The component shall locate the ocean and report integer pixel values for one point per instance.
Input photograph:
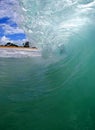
(57, 90)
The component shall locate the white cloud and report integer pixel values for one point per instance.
(4, 40)
(8, 8)
(20, 42)
(11, 30)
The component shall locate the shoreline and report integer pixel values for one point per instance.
(19, 47)
(12, 51)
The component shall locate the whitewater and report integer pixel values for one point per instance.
(52, 24)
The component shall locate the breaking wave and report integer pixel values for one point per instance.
(54, 24)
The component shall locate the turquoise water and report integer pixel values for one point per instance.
(55, 91)
(52, 93)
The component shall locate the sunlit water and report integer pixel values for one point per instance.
(55, 91)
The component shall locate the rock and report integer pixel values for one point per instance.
(34, 47)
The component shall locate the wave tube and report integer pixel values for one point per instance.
(52, 23)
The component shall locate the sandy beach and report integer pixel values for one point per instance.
(19, 51)
(18, 48)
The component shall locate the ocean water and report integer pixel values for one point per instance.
(57, 90)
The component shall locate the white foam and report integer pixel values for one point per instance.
(54, 22)
(13, 52)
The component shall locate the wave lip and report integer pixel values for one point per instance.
(52, 23)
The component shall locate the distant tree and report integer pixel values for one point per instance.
(26, 44)
(11, 44)
(8, 44)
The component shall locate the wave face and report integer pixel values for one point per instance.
(53, 23)
(55, 93)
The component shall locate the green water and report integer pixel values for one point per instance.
(49, 94)
(55, 91)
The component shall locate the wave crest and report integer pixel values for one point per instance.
(52, 23)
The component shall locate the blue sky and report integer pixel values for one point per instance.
(9, 30)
